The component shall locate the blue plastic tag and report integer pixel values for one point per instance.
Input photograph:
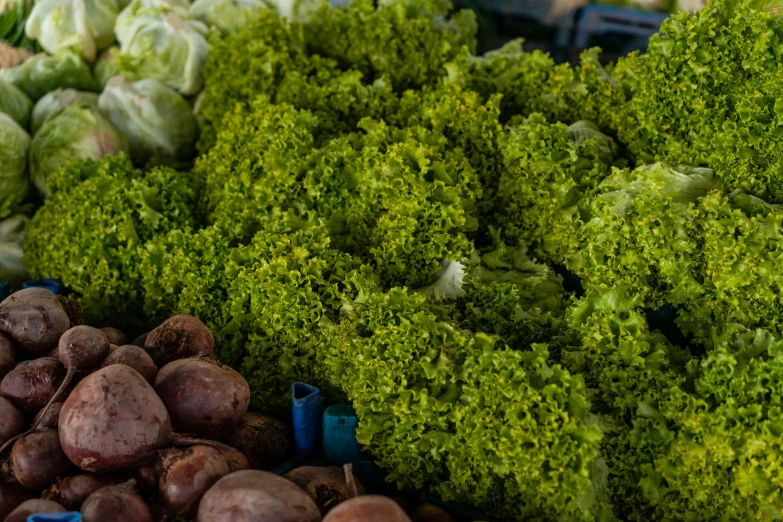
(56, 517)
(49, 284)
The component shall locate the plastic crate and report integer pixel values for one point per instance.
(633, 25)
(49, 284)
(5, 288)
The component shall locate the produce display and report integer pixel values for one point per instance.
(549, 292)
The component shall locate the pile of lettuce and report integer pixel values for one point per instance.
(551, 292)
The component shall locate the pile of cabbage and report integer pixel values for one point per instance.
(114, 77)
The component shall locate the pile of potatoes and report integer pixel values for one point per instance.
(153, 431)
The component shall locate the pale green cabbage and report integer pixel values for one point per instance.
(84, 26)
(227, 16)
(76, 132)
(107, 66)
(13, 232)
(170, 48)
(57, 100)
(137, 8)
(15, 103)
(155, 119)
(43, 73)
(14, 183)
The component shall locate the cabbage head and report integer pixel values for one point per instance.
(76, 132)
(15, 103)
(13, 232)
(107, 66)
(14, 183)
(43, 73)
(227, 16)
(138, 8)
(156, 120)
(54, 101)
(170, 48)
(84, 26)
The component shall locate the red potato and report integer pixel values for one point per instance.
(48, 418)
(365, 508)
(266, 441)
(32, 507)
(11, 496)
(256, 496)
(326, 485)
(7, 355)
(203, 397)
(11, 420)
(37, 460)
(34, 318)
(113, 420)
(134, 357)
(179, 337)
(187, 475)
(119, 503)
(71, 492)
(33, 383)
(116, 337)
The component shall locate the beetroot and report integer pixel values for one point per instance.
(203, 397)
(116, 337)
(367, 507)
(33, 383)
(326, 485)
(187, 475)
(73, 309)
(113, 420)
(32, 507)
(37, 460)
(431, 513)
(11, 420)
(11, 496)
(34, 319)
(48, 417)
(265, 440)
(134, 357)
(177, 338)
(7, 355)
(71, 492)
(140, 340)
(119, 503)
(256, 496)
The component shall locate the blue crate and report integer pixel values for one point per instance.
(634, 25)
(50, 284)
(5, 288)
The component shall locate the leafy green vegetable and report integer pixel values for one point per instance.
(13, 231)
(83, 26)
(75, 132)
(13, 16)
(15, 103)
(57, 100)
(42, 73)
(107, 67)
(138, 8)
(158, 123)
(14, 183)
(227, 16)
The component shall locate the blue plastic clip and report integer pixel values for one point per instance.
(340, 444)
(306, 404)
(56, 517)
(49, 284)
(5, 288)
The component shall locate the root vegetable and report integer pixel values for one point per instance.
(73, 309)
(367, 507)
(326, 485)
(11, 420)
(48, 417)
(11, 496)
(431, 513)
(37, 460)
(34, 318)
(140, 340)
(113, 420)
(134, 357)
(179, 337)
(203, 397)
(116, 337)
(33, 383)
(71, 492)
(7, 355)
(265, 440)
(32, 507)
(187, 475)
(256, 496)
(119, 503)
